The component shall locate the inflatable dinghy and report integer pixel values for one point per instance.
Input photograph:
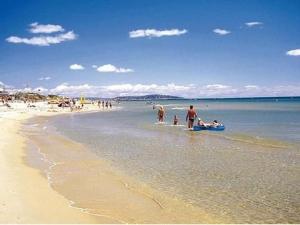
(214, 128)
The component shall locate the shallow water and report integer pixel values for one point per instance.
(248, 173)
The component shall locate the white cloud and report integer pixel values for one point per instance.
(76, 67)
(74, 90)
(156, 33)
(45, 78)
(94, 66)
(45, 28)
(221, 31)
(251, 87)
(108, 68)
(216, 90)
(295, 52)
(43, 40)
(252, 24)
(188, 91)
(119, 89)
(4, 86)
(217, 86)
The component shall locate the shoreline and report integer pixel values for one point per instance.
(105, 192)
(38, 162)
(25, 188)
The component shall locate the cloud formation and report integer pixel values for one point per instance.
(295, 52)
(156, 33)
(109, 68)
(36, 28)
(76, 67)
(221, 31)
(4, 86)
(188, 91)
(45, 78)
(252, 24)
(44, 40)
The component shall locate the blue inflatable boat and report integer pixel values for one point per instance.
(214, 128)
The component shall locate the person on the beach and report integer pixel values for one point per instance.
(103, 104)
(110, 105)
(175, 121)
(215, 123)
(161, 114)
(106, 104)
(190, 116)
(99, 103)
(201, 122)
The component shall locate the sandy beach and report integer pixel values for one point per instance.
(150, 112)
(26, 196)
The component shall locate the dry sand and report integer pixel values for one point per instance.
(25, 195)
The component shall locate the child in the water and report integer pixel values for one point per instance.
(175, 121)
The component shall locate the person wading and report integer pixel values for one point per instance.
(191, 116)
(161, 114)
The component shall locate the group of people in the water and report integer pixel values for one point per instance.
(191, 116)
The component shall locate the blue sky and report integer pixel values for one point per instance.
(187, 48)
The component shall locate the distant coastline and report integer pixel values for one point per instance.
(169, 97)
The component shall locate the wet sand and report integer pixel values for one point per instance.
(90, 183)
(25, 195)
(47, 178)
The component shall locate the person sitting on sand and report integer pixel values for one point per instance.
(190, 116)
(175, 121)
(161, 114)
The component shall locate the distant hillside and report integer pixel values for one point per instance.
(146, 97)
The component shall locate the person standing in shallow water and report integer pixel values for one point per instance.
(161, 114)
(191, 116)
(175, 121)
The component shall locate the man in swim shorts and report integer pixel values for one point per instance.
(191, 116)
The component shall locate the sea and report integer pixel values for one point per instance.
(250, 172)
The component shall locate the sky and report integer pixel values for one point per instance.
(189, 48)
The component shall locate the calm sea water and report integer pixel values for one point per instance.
(249, 173)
